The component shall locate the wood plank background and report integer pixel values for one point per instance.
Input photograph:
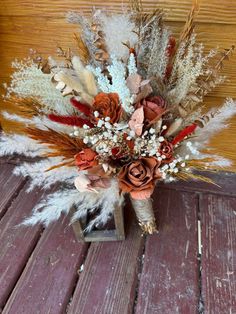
(41, 25)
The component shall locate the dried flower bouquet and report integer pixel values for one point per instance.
(118, 116)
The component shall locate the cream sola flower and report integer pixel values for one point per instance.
(116, 118)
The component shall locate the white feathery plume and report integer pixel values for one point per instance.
(43, 123)
(51, 208)
(219, 161)
(40, 177)
(20, 144)
(117, 29)
(191, 150)
(88, 35)
(85, 76)
(17, 118)
(106, 201)
(216, 123)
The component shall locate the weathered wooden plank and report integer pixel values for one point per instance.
(107, 283)
(17, 242)
(169, 279)
(218, 217)
(219, 11)
(10, 185)
(49, 278)
(225, 184)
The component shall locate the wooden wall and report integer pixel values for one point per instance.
(41, 25)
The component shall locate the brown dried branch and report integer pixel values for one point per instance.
(224, 56)
(61, 144)
(65, 54)
(208, 83)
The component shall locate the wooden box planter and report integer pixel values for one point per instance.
(117, 234)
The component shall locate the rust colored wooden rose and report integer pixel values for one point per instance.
(86, 159)
(153, 108)
(138, 177)
(108, 105)
(166, 149)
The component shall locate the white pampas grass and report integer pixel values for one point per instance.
(51, 208)
(220, 162)
(20, 144)
(216, 123)
(105, 201)
(88, 34)
(117, 29)
(40, 177)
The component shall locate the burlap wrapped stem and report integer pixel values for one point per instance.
(145, 214)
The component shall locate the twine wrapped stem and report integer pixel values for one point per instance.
(145, 215)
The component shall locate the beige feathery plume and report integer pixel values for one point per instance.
(85, 76)
(67, 84)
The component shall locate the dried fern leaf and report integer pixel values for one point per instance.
(82, 48)
(69, 163)
(9, 126)
(61, 144)
(25, 107)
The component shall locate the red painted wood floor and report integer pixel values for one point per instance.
(48, 271)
